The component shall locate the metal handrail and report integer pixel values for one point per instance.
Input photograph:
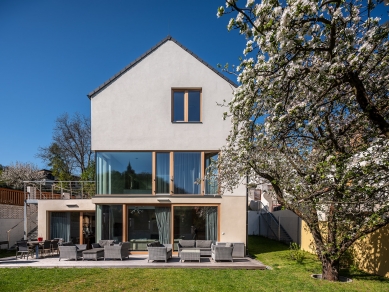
(275, 221)
(59, 189)
(263, 207)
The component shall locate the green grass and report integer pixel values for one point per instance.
(286, 275)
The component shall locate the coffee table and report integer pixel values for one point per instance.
(93, 254)
(190, 255)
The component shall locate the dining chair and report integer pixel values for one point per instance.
(23, 249)
(54, 246)
(46, 247)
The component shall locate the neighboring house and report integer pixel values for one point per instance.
(156, 126)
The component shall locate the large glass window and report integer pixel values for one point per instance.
(110, 222)
(147, 224)
(211, 184)
(195, 223)
(187, 167)
(162, 175)
(65, 225)
(124, 172)
(186, 106)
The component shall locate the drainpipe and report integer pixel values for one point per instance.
(25, 219)
(247, 214)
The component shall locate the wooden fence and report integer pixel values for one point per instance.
(16, 197)
(11, 197)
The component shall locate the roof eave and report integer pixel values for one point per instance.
(128, 67)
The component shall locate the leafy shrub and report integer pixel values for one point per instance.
(296, 253)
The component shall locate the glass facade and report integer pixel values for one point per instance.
(195, 223)
(147, 224)
(132, 173)
(124, 172)
(110, 222)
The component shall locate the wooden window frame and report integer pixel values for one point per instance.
(186, 104)
(171, 174)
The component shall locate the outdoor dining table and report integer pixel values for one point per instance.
(35, 244)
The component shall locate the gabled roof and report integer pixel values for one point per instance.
(168, 38)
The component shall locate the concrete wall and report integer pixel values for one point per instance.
(253, 221)
(291, 223)
(134, 112)
(11, 217)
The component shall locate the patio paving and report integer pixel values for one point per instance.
(135, 261)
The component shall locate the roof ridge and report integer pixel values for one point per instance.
(139, 59)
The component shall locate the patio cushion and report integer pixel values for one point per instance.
(105, 242)
(154, 244)
(187, 243)
(203, 243)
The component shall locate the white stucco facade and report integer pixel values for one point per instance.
(134, 111)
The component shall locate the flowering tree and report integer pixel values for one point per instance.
(15, 174)
(311, 115)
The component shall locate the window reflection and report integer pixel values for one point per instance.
(195, 223)
(124, 172)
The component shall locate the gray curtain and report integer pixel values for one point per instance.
(186, 172)
(211, 223)
(163, 171)
(162, 215)
(60, 225)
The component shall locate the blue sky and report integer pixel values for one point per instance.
(53, 53)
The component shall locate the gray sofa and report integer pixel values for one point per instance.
(203, 245)
(71, 251)
(159, 252)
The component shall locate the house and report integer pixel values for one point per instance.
(156, 126)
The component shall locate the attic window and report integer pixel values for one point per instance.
(186, 105)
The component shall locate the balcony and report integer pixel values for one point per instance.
(48, 190)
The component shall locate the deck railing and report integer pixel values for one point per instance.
(42, 190)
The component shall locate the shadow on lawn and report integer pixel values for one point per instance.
(260, 244)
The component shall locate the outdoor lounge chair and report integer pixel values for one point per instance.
(71, 251)
(159, 252)
(222, 253)
(118, 251)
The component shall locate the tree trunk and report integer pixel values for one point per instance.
(330, 269)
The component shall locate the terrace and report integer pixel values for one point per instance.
(47, 190)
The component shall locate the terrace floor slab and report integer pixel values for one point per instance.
(134, 261)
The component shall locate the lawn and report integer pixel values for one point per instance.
(286, 275)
